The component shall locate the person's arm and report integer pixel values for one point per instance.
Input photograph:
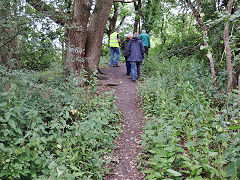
(118, 37)
(140, 36)
(142, 48)
(149, 42)
(123, 45)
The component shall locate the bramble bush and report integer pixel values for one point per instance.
(193, 129)
(53, 128)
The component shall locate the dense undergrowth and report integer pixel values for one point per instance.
(193, 128)
(52, 128)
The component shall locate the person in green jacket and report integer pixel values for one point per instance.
(146, 41)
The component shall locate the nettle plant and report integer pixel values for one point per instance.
(188, 135)
(53, 128)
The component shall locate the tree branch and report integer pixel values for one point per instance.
(113, 20)
(121, 22)
(205, 37)
(197, 15)
(122, 1)
(58, 17)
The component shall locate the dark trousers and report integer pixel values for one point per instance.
(128, 65)
(146, 50)
(133, 69)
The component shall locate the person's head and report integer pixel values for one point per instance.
(129, 36)
(117, 30)
(143, 31)
(135, 35)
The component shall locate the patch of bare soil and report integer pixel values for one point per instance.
(124, 164)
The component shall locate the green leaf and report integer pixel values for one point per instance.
(148, 171)
(3, 104)
(221, 137)
(212, 154)
(59, 172)
(199, 171)
(3, 120)
(12, 124)
(52, 165)
(19, 141)
(2, 146)
(67, 115)
(4, 94)
(231, 169)
(74, 168)
(77, 174)
(18, 130)
(173, 172)
(234, 127)
(151, 176)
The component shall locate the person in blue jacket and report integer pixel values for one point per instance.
(136, 51)
(146, 41)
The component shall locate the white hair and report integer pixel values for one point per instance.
(135, 35)
(130, 35)
(143, 31)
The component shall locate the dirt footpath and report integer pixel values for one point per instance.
(124, 166)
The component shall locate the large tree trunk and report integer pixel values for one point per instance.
(205, 37)
(5, 12)
(77, 35)
(8, 33)
(85, 33)
(228, 52)
(95, 33)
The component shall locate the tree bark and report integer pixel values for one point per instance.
(137, 7)
(162, 29)
(84, 32)
(8, 33)
(5, 15)
(239, 90)
(228, 52)
(77, 35)
(94, 40)
(205, 37)
(135, 26)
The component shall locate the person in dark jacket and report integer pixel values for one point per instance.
(136, 51)
(125, 53)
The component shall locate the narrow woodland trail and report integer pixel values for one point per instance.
(128, 144)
